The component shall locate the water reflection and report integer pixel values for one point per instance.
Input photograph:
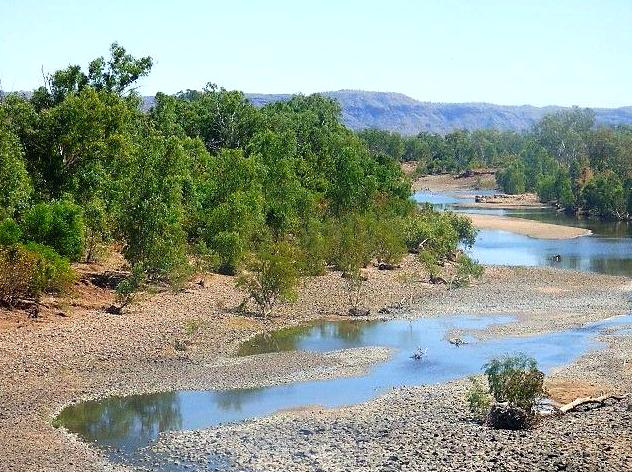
(315, 337)
(588, 253)
(133, 422)
(608, 250)
(124, 422)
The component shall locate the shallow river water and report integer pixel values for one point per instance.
(608, 250)
(125, 425)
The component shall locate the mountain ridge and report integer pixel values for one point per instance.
(395, 111)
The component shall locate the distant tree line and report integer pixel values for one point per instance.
(203, 181)
(564, 158)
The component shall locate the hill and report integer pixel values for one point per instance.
(398, 112)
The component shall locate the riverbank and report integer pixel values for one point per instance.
(468, 187)
(450, 183)
(183, 341)
(534, 229)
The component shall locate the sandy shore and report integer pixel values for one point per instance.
(467, 187)
(43, 366)
(534, 229)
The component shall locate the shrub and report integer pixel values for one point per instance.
(351, 243)
(389, 244)
(17, 275)
(478, 399)
(28, 270)
(271, 275)
(230, 249)
(313, 244)
(429, 262)
(58, 225)
(467, 268)
(514, 387)
(515, 380)
(10, 232)
(54, 273)
(429, 230)
(97, 227)
(128, 287)
(16, 188)
(465, 230)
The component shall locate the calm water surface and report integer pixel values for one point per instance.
(125, 425)
(608, 250)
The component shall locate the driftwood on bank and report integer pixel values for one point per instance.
(598, 401)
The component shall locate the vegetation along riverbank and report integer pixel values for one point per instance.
(139, 250)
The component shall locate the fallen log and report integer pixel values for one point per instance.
(600, 401)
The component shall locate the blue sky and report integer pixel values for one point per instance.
(509, 52)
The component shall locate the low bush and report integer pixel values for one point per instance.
(389, 244)
(478, 399)
(28, 270)
(350, 241)
(58, 225)
(271, 276)
(515, 380)
(515, 385)
(467, 269)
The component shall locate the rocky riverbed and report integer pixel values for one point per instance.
(185, 340)
(417, 429)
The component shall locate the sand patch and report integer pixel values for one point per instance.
(534, 229)
(565, 390)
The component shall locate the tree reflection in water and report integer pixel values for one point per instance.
(124, 423)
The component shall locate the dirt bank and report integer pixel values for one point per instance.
(534, 229)
(448, 182)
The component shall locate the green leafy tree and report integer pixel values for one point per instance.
(151, 210)
(15, 188)
(271, 276)
(58, 224)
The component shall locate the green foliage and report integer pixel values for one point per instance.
(604, 194)
(53, 272)
(115, 75)
(271, 276)
(28, 270)
(456, 151)
(512, 179)
(566, 160)
(97, 227)
(129, 286)
(15, 188)
(351, 243)
(314, 248)
(467, 269)
(516, 380)
(431, 231)
(478, 399)
(10, 232)
(389, 244)
(151, 219)
(58, 224)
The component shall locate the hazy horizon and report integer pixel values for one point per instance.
(536, 53)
